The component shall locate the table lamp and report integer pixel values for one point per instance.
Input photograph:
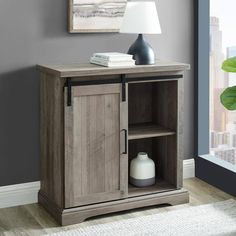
(141, 18)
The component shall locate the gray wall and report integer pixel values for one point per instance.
(34, 31)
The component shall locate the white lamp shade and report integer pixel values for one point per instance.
(141, 18)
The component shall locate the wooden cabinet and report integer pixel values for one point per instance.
(95, 162)
(94, 120)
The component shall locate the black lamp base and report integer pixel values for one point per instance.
(142, 52)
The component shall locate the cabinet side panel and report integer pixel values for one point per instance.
(165, 113)
(51, 137)
(180, 133)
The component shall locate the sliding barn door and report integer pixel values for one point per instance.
(95, 145)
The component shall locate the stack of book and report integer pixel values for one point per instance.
(112, 59)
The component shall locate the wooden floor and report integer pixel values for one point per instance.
(32, 220)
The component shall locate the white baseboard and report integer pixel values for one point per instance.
(188, 169)
(21, 194)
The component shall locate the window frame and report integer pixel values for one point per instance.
(206, 168)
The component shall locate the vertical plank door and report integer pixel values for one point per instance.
(96, 163)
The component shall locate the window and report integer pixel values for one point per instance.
(222, 46)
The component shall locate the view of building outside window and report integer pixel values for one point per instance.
(222, 46)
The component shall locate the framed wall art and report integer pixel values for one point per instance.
(95, 15)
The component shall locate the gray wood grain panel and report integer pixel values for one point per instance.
(165, 99)
(81, 70)
(124, 140)
(148, 130)
(180, 133)
(71, 216)
(93, 162)
(140, 103)
(51, 137)
(160, 186)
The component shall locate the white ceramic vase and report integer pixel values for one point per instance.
(142, 171)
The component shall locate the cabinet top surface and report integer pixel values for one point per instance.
(86, 69)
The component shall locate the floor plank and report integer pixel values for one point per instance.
(33, 220)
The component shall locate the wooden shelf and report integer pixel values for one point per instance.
(160, 186)
(148, 130)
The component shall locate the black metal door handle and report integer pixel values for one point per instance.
(126, 136)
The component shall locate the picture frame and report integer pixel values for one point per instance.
(95, 16)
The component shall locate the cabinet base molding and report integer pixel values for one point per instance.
(79, 214)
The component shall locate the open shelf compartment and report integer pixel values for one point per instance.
(152, 109)
(153, 118)
(162, 150)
